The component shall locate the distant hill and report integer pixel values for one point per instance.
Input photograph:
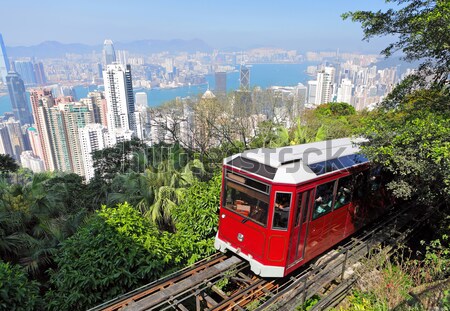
(50, 49)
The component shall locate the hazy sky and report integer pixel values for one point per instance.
(296, 24)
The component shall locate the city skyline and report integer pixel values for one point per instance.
(231, 24)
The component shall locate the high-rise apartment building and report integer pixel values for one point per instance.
(122, 57)
(4, 61)
(75, 117)
(39, 73)
(300, 96)
(109, 54)
(97, 104)
(324, 88)
(312, 91)
(31, 161)
(344, 93)
(92, 137)
(16, 90)
(119, 97)
(41, 101)
(35, 142)
(5, 142)
(221, 83)
(57, 123)
(142, 116)
(26, 71)
(15, 137)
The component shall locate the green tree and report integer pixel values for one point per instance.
(37, 217)
(7, 164)
(422, 30)
(117, 251)
(111, 161)
(156, 191)
(409, 132)
(334, 109)
(413, 142)
(16, 291)
(197, 216)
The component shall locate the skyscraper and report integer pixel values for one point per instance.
(4, 62)
(16, 90)
(109, 55)
(312, 90)
(26, 71)
(15, 137)
(31, 161)
(324, 88)
(39, 74)
(245, 78)
(93, 137)
(75, 116)
(5, 142)
(35, 142)
(142, 116)
(344, 93)
(221, 83)
(97, 104)
(119, 97)
(41, 101)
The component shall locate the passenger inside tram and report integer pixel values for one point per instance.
(247, 202)
(282, 209)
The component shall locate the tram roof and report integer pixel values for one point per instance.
(295, 164)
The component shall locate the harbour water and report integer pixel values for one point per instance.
(263, 75)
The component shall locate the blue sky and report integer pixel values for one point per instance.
(295, 24)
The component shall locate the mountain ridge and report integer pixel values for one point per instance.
(51, 49)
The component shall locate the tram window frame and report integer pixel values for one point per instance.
(303, 200)
(261, 196)
(277, 212)
(298, 210)
(349, 188)
(315, 213)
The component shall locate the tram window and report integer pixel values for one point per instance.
(344, 191)
(307, 200)
(375, 179)
(302, 203)
(299, 209)
(282, 208)
(332, 165)
(323, 200)
(250, 182)
(246, 202)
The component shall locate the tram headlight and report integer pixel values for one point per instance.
(240, 237)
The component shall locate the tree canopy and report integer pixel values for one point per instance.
(7, 164)
(409, 132)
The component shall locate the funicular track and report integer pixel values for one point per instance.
(201, 286)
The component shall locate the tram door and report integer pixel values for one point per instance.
(300, 227)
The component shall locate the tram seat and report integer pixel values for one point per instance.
(243, 209)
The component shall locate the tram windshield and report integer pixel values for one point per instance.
(247, 197)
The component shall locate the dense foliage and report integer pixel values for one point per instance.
(413, 142)
(7, 164)
(327, 121)
(197, 215)
(16, 291)
(409, 134)
(117, 251)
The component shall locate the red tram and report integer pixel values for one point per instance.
(282, 207)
